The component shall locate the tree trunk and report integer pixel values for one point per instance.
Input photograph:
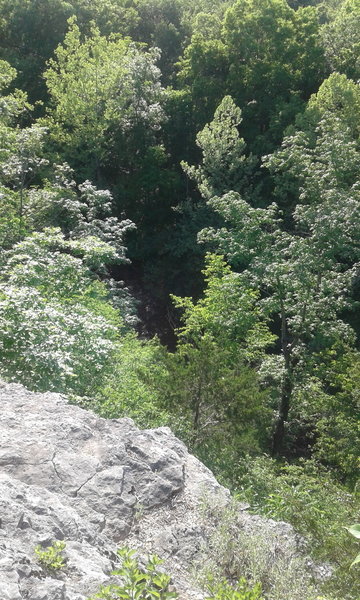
(197, 410)
(21, 207)
(286, 391)
(279, 432)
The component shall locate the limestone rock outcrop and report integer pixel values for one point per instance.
(66, 474)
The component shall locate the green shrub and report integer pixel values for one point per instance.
(241, 591)
(319, 508)
(268, 560)
(136, 582)
(130, 386)
(52, 558)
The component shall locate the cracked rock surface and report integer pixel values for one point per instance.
(66, 474)
(97, 484)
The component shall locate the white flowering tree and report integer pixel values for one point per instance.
(58, 321)
(81, 211)
(48, 345)
(57, 329)
(20, 157)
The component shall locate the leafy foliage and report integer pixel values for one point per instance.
(57, 330)
(341, 40)
(238, 119)
(319, 508)
(302, 274)
(146, 582)
(266, 51)
(52, 558)
(120, 91)
(224, 166)
(131, 385)
(210, 385)
(355, 531)
(224, 591)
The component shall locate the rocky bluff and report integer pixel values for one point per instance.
(66, 474)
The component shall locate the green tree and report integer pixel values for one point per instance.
(57, 329)
(274, 53)
(30, 30)
(105, 120)
(304, 274)
(21, 160)
(341, 40)
(203, 73)
(338, 96)
(20, 156)
(100, 88)
(212, 386)
(224, 166)
(111, 16)
(269, 58)
(308, 148)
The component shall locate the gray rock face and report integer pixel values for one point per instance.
(66, 474)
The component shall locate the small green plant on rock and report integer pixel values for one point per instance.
(241, 591)
(52, 557)
(136, 582)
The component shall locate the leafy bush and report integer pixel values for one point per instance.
(131, 384)
(306, 496)
(136, 582)
(52, 558)
(241, 591)
(57, 328)
(269, 559)
(355, 531)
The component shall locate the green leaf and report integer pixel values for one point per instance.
(355, 531)
(357, 560)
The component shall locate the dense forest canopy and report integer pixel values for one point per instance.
(180, 236)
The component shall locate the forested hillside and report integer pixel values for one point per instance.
(180, 238)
